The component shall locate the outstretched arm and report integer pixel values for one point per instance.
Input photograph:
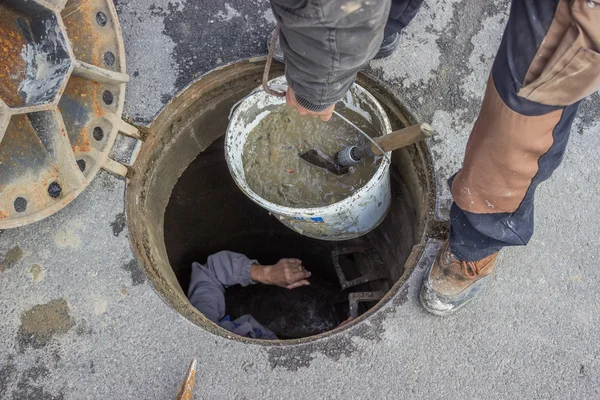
(208, 282)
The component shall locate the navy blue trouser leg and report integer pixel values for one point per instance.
(537, 80)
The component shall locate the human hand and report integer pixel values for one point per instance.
(324, 115)
(287, 273)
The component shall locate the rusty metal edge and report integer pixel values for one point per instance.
(115, 119)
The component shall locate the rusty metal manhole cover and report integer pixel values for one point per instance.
(62, 90)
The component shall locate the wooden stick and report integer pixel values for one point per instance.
(402, 138)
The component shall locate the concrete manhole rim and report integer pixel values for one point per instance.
(144, 244)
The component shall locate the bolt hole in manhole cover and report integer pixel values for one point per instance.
(62, 89)
(183, 205)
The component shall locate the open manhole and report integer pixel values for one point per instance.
(183, 206)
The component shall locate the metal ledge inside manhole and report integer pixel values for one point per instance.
(183, 206)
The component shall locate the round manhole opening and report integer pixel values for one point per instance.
(183, 206)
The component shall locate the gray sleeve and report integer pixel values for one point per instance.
(326, 42)
(208, 282)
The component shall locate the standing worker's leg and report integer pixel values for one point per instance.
(548, 60)
(401, 13)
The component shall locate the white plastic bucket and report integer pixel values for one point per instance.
(349, 218)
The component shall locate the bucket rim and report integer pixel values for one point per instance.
(240, 181)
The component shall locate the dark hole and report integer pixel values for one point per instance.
(364, 306)
(20, 204)
(101, 18)
(81, 165)
(207, 213)
(109, 58)
(348, 263)
(54, 190)
(107, 97)
(98, 133)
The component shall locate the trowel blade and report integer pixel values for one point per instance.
(320, 159)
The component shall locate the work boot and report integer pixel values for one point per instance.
(388, 46)
(450, 283)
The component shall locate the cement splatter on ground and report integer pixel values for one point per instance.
(11, 257)
(67, 238)
(100, 305)
(42, 322)
(37, 273)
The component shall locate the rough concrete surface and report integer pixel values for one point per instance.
(534, 334)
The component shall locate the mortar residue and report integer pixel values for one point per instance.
(275, 171)
(37, 273)
(11, 258)
(40, 323)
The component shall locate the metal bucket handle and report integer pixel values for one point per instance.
(265, 82)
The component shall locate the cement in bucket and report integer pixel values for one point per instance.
(347, 219)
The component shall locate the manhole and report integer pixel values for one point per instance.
(183, 206)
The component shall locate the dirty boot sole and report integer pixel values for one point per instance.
(442, 305)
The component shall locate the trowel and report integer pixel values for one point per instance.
(382, 144)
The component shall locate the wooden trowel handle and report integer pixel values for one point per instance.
(402, 137)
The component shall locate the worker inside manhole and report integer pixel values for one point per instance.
(250, 274)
